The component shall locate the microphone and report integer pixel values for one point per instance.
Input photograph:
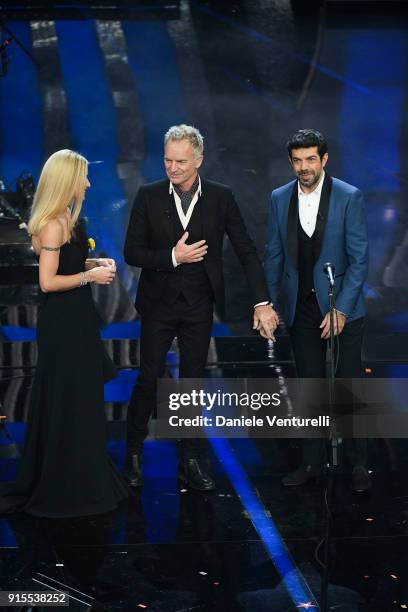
(328, 269)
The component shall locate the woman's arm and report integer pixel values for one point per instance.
(51, 239)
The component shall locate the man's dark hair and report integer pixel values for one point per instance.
(303, 139)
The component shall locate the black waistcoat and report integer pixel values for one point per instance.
(190, 280)
(304, 251)
(306, 261)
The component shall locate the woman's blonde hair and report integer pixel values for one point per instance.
(60, 185)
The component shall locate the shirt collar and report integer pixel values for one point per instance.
(171, 187)
(317, 191)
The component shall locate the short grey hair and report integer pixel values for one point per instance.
(186, 132)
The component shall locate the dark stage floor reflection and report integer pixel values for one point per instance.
(172, 549)
(251, 545)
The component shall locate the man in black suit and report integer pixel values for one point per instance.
(175, 235)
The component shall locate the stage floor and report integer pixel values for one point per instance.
(250, 545)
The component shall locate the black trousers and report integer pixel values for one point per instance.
(192, 324)
(310, 359)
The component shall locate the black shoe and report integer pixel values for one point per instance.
(194, 476)
(303, 474)
(361, 480)
(133, 473)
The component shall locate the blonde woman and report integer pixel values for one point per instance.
(65, 469)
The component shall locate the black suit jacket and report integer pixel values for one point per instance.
(150, 239)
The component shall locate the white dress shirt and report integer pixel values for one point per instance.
(309, 207)
(184, 218)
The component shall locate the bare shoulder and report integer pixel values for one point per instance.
(52, 234)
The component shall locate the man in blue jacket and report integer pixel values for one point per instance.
(313, 220)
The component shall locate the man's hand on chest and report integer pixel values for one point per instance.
(189, 253)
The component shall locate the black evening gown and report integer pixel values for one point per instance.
(65, 469)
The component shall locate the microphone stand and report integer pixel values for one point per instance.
(332, 457)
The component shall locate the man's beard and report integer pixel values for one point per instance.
(311, 180)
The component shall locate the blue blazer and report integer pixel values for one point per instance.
(341, 235)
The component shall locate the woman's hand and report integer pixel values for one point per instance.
(101, 275)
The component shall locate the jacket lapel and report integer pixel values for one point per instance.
(322, 215)
(168, 210)
(207, 211)
(292, 236)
